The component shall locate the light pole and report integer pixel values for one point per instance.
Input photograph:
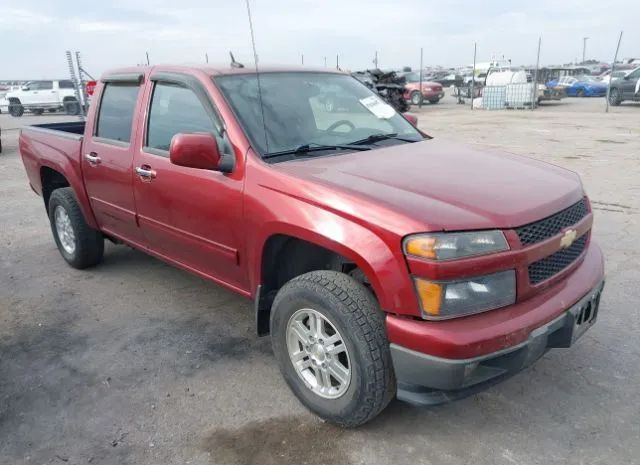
(584, 48)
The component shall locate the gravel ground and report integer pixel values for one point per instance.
(135, 362)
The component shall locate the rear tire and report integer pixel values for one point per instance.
(416, 97)
(433, 101)
(37, 111)
(79, 244)
(580, 93)
(350, 315)
(72, 107)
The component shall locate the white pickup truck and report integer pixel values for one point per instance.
(40, 96)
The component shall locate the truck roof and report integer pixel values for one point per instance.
(223, 69)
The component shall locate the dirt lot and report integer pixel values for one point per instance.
(135, 362)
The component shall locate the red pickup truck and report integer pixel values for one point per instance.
(382, 262)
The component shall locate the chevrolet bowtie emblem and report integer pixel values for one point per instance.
(567, 238)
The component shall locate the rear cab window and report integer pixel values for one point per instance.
(115, 116)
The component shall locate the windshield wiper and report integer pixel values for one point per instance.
(313, 147)
(373, 138)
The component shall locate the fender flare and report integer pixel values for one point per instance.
(76, 183)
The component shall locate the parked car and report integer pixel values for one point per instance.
(431, 91)
(383, 262)
(40, 96)
(581, 86)
(447, 79)
(627, 88)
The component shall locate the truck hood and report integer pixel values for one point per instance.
(442, 185)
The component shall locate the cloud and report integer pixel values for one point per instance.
(119, 32)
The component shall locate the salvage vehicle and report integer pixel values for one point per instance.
(382, 262)
(431, 91)
(626, 88)
(40, 96)
(387, 84)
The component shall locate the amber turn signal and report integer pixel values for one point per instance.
(430, 295)
(421, 246)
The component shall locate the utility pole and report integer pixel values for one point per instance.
(206, 57)
(420, 104)
(148, 59)
(613, 69)
(337, 61)
(473, 73)
(325, 62)
(584, 48)
(375, 60)
(302, 58)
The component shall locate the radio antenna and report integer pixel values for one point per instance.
(255, 60)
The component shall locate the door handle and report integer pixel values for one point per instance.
(145, 172)
(93, 158)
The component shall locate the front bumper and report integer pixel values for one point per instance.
(434, 356)
(428, 380)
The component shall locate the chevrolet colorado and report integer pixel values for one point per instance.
(382, 262)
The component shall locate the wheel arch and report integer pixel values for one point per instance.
(53, 176)
(292, 250)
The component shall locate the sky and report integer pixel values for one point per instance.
(34, 34)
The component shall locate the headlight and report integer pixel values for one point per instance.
(448, 246)
(449, 299)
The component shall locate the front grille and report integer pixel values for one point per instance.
(547, 267)
(552, 225)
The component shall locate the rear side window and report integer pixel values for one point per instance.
(65, 85)
(175, 109)
(116, 111)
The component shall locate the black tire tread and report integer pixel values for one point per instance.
(89, 242)
(365, 314)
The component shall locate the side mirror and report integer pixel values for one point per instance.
(195, 151)
(413, 119)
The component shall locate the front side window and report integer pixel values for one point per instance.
(40, 85)
(116, 111)
(175, 109)
(65, 85)
(302, 108)
(635, 74)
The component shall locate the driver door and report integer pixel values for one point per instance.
(628, 85)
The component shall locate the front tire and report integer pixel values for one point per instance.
(580, 93)
(16, 109)
(614, 97)
(79, 244)
(416, 97)
(433, 101)
(328, 336)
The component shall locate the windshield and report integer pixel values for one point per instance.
(303, 108)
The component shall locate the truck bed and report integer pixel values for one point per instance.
(53, 147)
(75, 129)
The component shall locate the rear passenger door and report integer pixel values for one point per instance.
(189, 216)
(107, 163)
